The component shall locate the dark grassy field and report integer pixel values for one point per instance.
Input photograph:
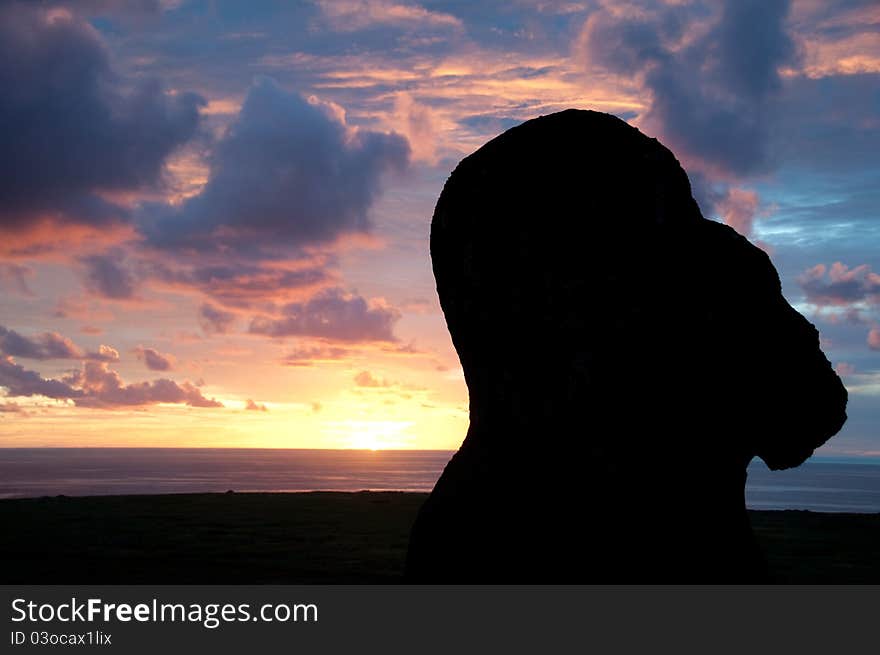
(320, 538)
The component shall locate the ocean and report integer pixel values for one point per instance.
(822, 485)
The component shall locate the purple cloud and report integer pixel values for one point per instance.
(289, 172)
(333, 315)
(108, 277)
(49, 345)
(153, 359)
(96, 385)
(215, 320)
(240, 284)
(22, 382)
(711, 95)
(72, 125)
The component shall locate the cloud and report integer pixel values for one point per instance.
(242, 284)
(14, 277)
(83, 308)
(840, 285)
(738, 208)
(403, 349)
(10, 408)
(711, 76)
(22, 382)
(255, 407)
(108, 277)
(843, 293)
(288, 173)
(845, 369)
(332, 314)
(874, 338)
(101, 387)
(419, 124)
(215, 320)
(72, 126)
(104, 354)
(154, 360)
(367, 379)
(463, 93)
(839, 38)
(353, 15)
(419, 305)
(49, 345)
(309, 355)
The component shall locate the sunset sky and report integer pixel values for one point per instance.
(214, 215)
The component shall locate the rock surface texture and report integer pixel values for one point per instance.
(625, 357)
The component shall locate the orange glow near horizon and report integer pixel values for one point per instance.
(345, 423)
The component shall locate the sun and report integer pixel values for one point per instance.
(366, 442)
(374, 435)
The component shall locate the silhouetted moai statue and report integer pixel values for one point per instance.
(625, 357)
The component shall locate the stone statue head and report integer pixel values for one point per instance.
(587, 296)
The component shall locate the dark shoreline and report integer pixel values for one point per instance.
(322, 538)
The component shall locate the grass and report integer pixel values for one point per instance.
(320, 537)
(820, 548)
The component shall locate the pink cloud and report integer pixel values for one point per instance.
(874, 338)
(840, 285)
(353, 15)
(419, 124)
(104, 354)
(738, 208)
(48, 237)
(310, 355)
(367, 379)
